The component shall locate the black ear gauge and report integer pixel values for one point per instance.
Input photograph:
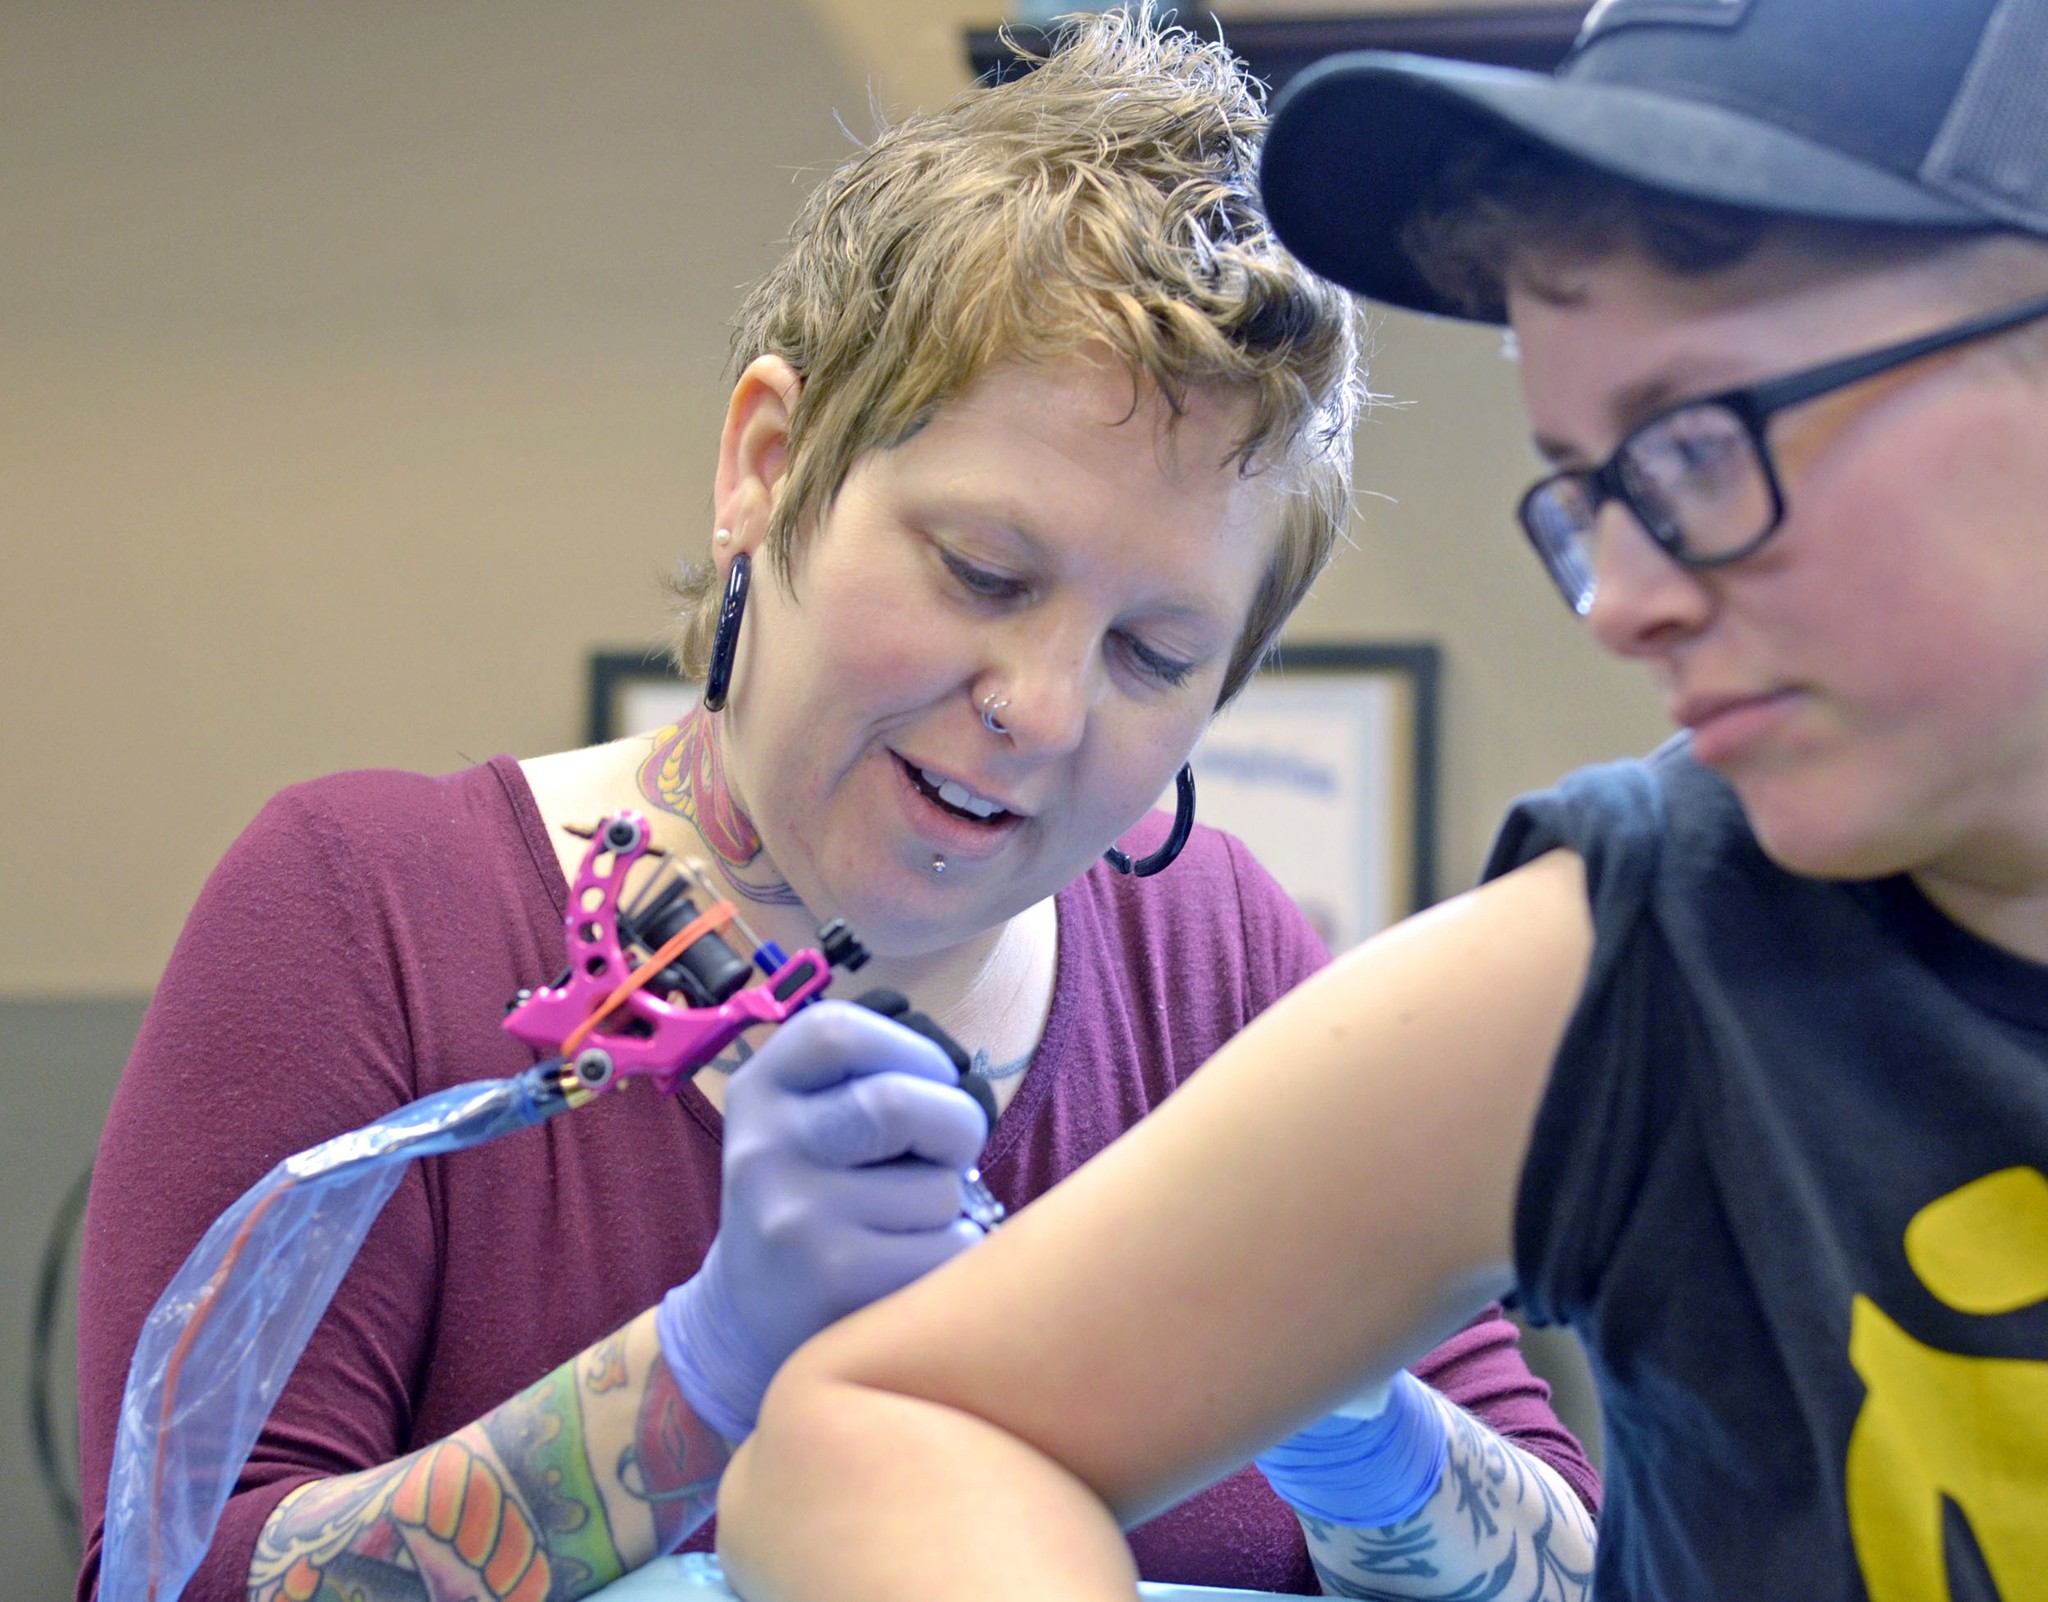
(725, 639)
(1176, 837)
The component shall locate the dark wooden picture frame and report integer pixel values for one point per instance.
(1535, 37)
(1356, 722)
(624, 685)
(1327, 768)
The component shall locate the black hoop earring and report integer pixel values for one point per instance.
(1176, 837)
(725, 641)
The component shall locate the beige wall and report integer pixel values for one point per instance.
(359, 368)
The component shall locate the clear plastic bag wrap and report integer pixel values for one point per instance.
(225, 1335)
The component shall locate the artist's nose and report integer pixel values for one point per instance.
(1048, 681)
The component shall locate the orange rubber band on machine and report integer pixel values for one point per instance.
(719, 917)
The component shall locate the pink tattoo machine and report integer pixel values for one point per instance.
(606, 1016)
(653, 991)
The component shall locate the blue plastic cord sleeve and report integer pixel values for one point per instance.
(298, 1229)
(1365, 1473)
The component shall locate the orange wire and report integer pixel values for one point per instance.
(174, 1367)
(690, 933)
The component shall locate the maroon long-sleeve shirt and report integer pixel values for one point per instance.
(355, 950)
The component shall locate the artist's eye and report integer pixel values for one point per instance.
(1155, 665)
(982, 582)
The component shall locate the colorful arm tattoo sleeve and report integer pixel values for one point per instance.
(578, 1479)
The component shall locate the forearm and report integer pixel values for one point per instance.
(576, 1480)
(1230, 1269)
(1500, 1521)
(902, 1497)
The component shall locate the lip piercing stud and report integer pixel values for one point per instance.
(938, 864)
(992, 707)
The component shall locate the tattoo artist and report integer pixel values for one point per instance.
(1037, 438)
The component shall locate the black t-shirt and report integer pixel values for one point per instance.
(1790, 1184)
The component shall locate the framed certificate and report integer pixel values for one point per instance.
(1326, 766)
(636, 692)
(1276, 40)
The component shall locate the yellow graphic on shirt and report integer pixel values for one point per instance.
(1938, 1425)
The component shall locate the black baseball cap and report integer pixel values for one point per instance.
(1907, 113)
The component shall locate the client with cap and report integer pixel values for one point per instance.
(1738, 1064)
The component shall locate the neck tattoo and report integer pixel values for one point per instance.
(684, 775)
(1001, 1070)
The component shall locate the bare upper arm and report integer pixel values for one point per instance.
(1325, 1200)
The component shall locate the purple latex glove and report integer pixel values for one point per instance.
(845, 1139)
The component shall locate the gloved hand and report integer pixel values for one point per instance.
(1373, 1462)
(845, 1139)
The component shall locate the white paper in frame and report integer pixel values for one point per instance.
(1325, 766)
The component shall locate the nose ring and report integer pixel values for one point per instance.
(993, 705)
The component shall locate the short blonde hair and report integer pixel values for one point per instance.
(1103, 198)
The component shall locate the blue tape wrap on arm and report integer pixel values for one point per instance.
(1364, 1472)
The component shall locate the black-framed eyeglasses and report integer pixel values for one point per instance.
(1699, 476)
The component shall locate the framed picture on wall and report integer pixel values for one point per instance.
(636, 692)
(1326, 766)
(1275, 45)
